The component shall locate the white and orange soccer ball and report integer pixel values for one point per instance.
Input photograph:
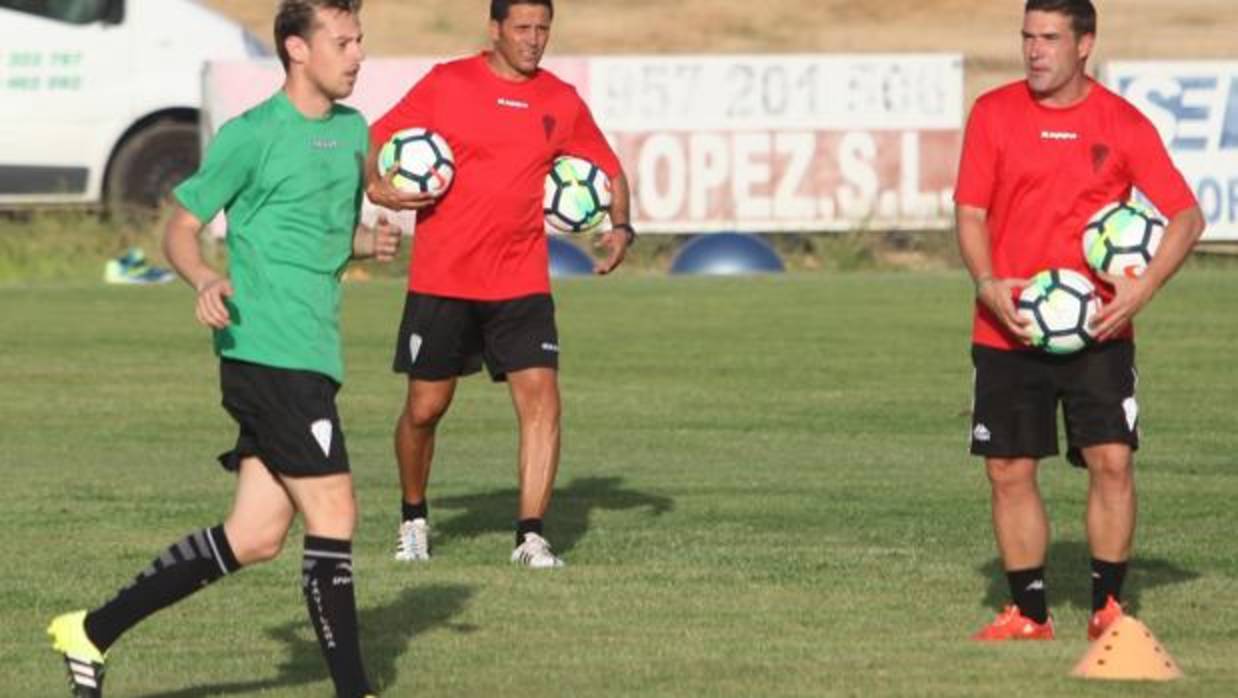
(577, 196)
(1061, 304)
(1121, 238)
(422, 160)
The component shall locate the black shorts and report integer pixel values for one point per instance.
(442, 338)
(287, 418)
(1017, 392)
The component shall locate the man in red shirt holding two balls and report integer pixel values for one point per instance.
(479, 285)
(1040, 156)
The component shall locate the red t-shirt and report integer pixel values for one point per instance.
(1041, 173)
(485, 238)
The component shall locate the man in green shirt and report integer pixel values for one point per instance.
(288, 173)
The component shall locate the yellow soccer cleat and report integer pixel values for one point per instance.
(83, 660)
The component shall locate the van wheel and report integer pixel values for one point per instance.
(151, 163)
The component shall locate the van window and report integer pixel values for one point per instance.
(71, 11)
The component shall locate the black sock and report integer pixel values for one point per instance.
(524, 526)
(327, 582)
(1107, 578)
(420, 510)
(189, 565)
(1027, 588)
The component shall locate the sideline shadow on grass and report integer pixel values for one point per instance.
(386, 632)
(1068, 578)
(568, 518)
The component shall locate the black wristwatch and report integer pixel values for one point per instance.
(627, 228)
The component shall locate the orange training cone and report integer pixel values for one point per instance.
(1127, 651)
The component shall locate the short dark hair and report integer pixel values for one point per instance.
(499, 9)
(296, 18)
(1082, 13)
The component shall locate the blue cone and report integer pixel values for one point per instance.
(726, 254)
(566, 259)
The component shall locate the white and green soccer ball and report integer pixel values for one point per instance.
(1122, 238)
(422, 160)
(577, 196)
(1060, 304)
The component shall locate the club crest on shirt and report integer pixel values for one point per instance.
(548, 125)
(1100, 153)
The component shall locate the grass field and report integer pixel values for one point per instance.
(764, 492)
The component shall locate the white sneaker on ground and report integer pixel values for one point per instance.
(535, 552)
(413, 542)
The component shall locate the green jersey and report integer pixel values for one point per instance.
(291, 187)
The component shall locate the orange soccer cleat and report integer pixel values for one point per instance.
(1104, 618)
(1011, 624)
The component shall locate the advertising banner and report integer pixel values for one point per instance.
(760, 143)
(1194, 105)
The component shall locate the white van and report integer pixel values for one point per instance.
(99, 99)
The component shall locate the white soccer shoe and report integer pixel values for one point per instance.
(535, 552)
(413, 542)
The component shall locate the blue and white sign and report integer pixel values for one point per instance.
(1194, 105)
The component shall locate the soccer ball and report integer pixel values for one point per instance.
(577, 195)
(1060, 303)
(1121, 239)
(423, 159)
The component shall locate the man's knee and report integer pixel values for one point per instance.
(425, 406)
(424, 414)
(536, 393)
(331, 512)
(1111, 463)
(334, 504)
(1011, 476)
(252, 546)
(545, 406)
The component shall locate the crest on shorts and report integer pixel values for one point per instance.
(1131, 409)
(414, 347)
(322, 434)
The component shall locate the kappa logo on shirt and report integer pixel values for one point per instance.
(1047, 135)
(513, 103)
